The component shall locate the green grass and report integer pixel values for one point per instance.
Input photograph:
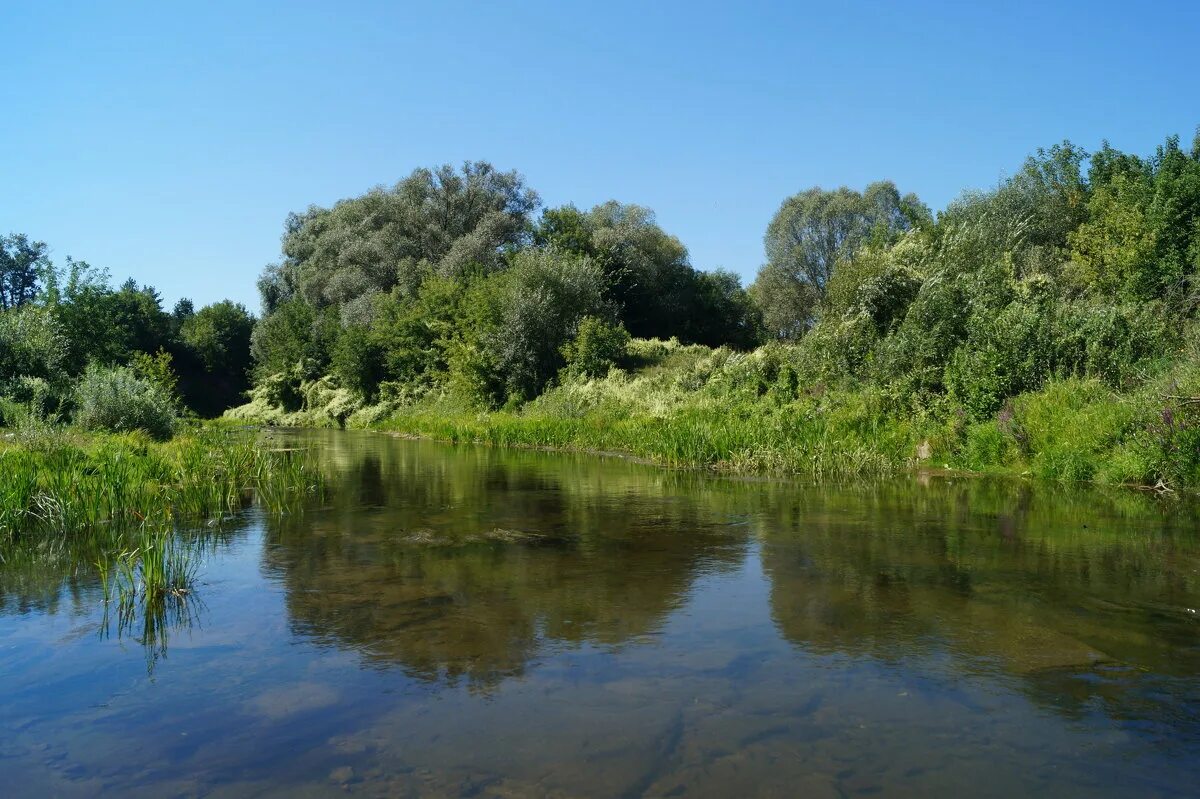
(60, 482)
(692, 406)
(120, 506)
(150, 586)
(727, 411)
(651, 419)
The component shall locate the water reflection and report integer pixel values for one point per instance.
(1084, 598)
(150, 623)
(470, 567)
(458, 621)
(83, 578)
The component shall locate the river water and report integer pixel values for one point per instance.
(462, 621)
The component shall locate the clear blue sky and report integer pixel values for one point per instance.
(167, 141)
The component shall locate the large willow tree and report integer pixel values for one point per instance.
(440, 221)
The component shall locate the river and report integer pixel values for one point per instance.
(465, 621)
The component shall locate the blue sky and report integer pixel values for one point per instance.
(168, 141)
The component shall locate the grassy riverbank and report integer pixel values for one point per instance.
(738, 412)
(694, 406)
(1048, 326)
(65, 482)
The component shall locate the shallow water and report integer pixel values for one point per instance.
(468, 621)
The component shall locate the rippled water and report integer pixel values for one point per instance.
(467, 621)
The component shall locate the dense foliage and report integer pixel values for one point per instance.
(812, 235)
(893, 336)
(903, 336)
(74, 348)
(118, 400)
(447, 280)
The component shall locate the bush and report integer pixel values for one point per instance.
(597, 347)
(517, 322)
(1004, 355)
(157, 369)
(117, 399)
(32, 344)
(1174, 439)
(1113, 342)
(987, 447)
(358, 362)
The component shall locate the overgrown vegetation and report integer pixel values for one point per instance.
(447, 281)
(59, 483)
(58, 324)
(1046, 326)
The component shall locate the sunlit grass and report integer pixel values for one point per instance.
(726, 411)
(60, 483)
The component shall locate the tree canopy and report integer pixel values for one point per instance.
(22, 266)
(442, 221)
(447, 279)
(60, 322)
(814, 231)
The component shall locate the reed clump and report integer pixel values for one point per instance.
(61, 482)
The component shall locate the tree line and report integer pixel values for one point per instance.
(72, 344)
(458, 280)
(1077, 264)
(448, 278)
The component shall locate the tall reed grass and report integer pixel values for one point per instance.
(63, 483)
(150, 586)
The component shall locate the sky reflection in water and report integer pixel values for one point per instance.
(467, 621)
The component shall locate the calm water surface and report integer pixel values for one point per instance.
(474, 622)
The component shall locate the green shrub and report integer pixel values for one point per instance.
(1174, 444)
(517, 322)
(116, 399)
(1004, 355)
(597, 347)
(987, 447)
(33, 355)
(358, 361)
(1112, 343)
(157, 369)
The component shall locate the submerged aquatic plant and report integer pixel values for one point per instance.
(152, 588)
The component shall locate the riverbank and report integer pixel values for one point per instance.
(693, 406)
(63, 481)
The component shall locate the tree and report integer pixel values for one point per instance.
(647, 271)
(722, 312)
(597, 347)
(815, 230)
(104, 325)
(32, 344)
(1115, 247)
(220, 335)
(788, 305)
(518, 321)
(285, 337)
(359, 361)
(1174, 213)
(22, 266)
(440, 221)
(184, 310)
(1051, 193)
(1140, 235)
